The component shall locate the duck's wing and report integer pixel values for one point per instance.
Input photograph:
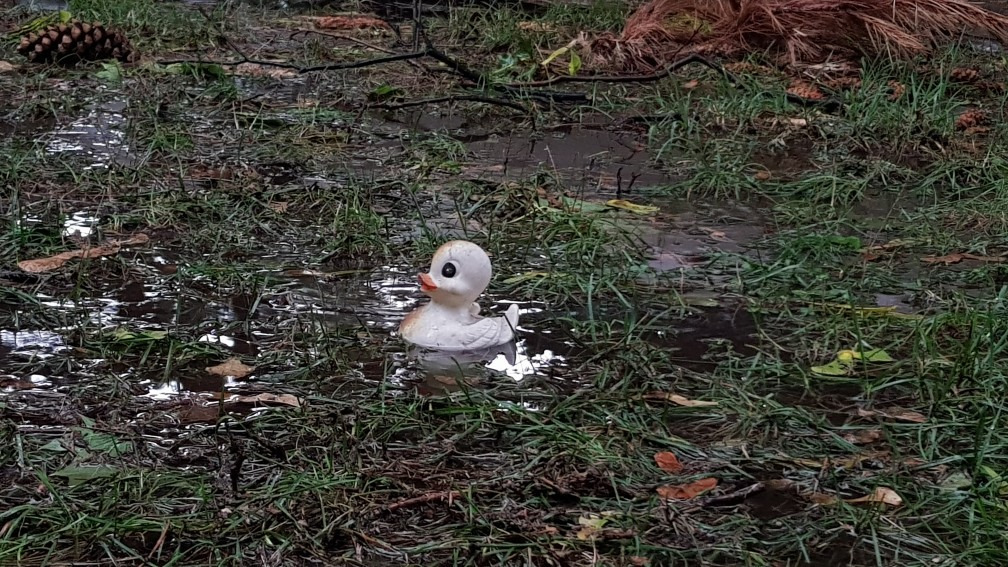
(487, 332)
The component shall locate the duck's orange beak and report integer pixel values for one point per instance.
(427, 282)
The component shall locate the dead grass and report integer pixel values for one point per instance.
(794, 31)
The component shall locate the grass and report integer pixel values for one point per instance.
(286, 231)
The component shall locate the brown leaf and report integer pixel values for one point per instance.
(686, 491)
(690, 85)
(863, 437)
(537, 27)
(657, 396)
(881, 495)
(822, 499)
(280, 206)
(638, 561)
(350, 22)
(199, 414)
(668, 462)
(959, 257)
(231, 367)
(7, 67)
(16, 384)
(39, 265)
(762, 175)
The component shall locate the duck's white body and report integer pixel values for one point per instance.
(460, 271)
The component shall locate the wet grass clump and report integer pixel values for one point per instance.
(753, 331)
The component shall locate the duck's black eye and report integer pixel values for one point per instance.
(448, 270)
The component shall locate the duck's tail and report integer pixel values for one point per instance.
(512, 316)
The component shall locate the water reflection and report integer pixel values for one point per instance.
(98, 136)
(80, 225)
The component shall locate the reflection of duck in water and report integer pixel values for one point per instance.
(459, 272)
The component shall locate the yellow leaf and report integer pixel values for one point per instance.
(549, 59)
(231, 367)
(632, 207)
(881, 495)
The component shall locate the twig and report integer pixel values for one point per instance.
(346, 37)
(448, 495)
(452, 98)
(665, 72)
(733, 497)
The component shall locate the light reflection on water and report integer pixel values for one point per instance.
(98, 136)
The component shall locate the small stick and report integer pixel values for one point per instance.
(448, 495)
(452, 98)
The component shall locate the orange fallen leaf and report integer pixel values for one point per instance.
(881, 495)
(231, 367)
(350, 22)
(658, 396)
(686, 491)
(668, 462)
(762, 175)
(959, 257)
(690, 85)
(52, 262)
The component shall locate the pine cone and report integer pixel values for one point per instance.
(68, 44)
(805, 90)
(970, 118)
(964, 75)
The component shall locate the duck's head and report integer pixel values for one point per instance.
(459, 273)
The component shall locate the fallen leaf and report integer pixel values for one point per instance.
(959, 257)
(50, 263)
(632, 207)
(231, 367)
(279, 206)
(668, 462)
(16, 384)
(267, 398)
(350, 22)
(260, 70)
(690, 85)
(833, 368)
(822, 499)
(762, 175)
(798, 122)
(880, 495)
(899, 414)
(863, 437)
(199, 414)
(638, 561)
(657, 396)
(7, 67)
(537, 27)
(686, 491)
(715, 234)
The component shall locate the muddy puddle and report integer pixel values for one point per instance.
(162, 303)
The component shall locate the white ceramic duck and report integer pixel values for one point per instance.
(459, 273)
